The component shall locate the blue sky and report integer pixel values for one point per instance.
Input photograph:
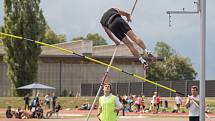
(150, 21)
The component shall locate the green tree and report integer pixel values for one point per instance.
(174, 67)
(96, 38)
(52, 38)
(22, 18)
(164, 50)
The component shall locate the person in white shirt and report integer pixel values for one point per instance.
(192, 104)
(48, 100)
(178, 102)
(154, 103)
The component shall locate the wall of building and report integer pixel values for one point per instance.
(67, 74)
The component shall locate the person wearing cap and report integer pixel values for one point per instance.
(109, 105)
(114, 24)
(192, 103)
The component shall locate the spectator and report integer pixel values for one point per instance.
(54, 99)
(18, 113)
(158, 98)
(207, 109)
(48, 114)
(178, 102)
(27, 99)
(33, 104)
(165, 104)
(9, 112)
(85, 106)
(161, 103)
(71, 94)
(47, 100)
(37, 99)
(192, 104)
(139, 103)
(27, 115)
(154, 103)
(122, 100)
(130, 101)
(58, 107)
(38, 112)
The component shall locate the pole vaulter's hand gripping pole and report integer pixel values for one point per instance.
(91, 59)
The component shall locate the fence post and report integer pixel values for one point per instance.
(186, 86)
(60, 78)
(143, 88)
(156, 87)
(170, 85)
(92, 89)
(116, 88)
(129, 86)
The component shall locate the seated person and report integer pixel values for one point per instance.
(49, 113)
(207, 109)
(38, 112)
(27, 115)
(9, 112)
(18, 113)
(84, 106)
(58, 107)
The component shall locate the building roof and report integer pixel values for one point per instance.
(84, 46)
(76, 46)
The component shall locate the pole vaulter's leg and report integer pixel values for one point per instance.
(102, 82)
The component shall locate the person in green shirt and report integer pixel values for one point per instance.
(109, 105)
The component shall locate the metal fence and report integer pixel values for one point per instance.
(147, 89)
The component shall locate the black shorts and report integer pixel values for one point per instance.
(119, 27)
(193, 118)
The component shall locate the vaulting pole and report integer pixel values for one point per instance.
(135, 3)
(101, 85)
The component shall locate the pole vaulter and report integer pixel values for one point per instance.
(91, 59)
